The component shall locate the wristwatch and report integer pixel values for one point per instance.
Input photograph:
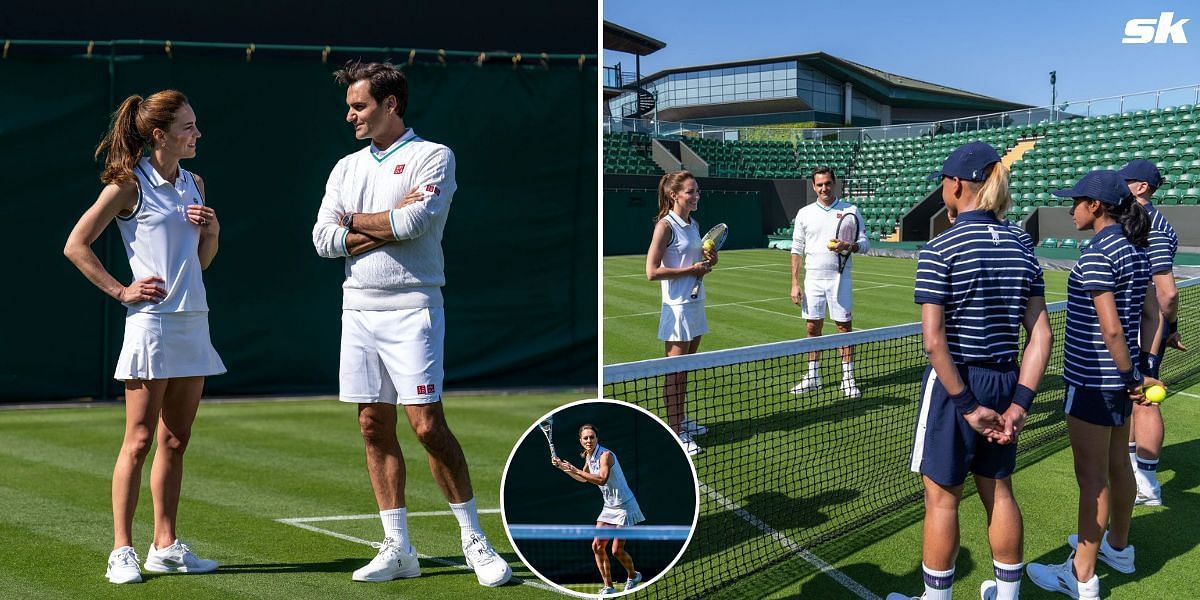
(348, 220)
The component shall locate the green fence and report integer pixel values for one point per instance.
(520, 243)
(629, 218)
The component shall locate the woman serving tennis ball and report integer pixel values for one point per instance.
(601, 468)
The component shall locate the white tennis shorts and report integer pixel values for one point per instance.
(627, 515)
(392, 356)
(682, 322)
(833, 294)
(166, 345)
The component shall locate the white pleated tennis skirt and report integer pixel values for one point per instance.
(628, 514)
(166, 345)
(682, 322)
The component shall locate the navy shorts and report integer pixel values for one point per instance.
(1108, 408)
(946, 449)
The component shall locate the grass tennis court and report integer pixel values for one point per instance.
(250, 464)
(748, 301)
(883, 555)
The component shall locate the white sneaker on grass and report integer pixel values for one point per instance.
(850, 388)
(1120, 561)
(895, 596)
(392, 562)
(177, 558)
(693, 427)
(634, 581)
(123, 566)
(987, 590)
(605, 591)
(1061, 578)
(689, 445)
(808, 384)
(1149, 492)
(490, 569)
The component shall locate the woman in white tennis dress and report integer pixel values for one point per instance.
(170, 236)
(621, 509)
(675, 258)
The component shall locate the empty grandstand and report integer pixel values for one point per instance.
(884, 169)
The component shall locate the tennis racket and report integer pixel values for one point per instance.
(717, 236)
(847, 231)
(547, 428)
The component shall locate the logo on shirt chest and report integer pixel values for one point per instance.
(398, 170)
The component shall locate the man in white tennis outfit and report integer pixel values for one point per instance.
(384, 211)
(824, 287)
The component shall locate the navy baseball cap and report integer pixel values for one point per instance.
(969, 161)
(1106, 186)
(1141, 170)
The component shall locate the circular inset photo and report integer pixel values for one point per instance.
(599, 498)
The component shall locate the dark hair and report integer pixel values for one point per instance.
(1133, 219)
(385, 80)
(671, 183)
(583, 453)
(132, 129)
(823, 171)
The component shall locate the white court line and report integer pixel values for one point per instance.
(302, 523)
(745, 302)
(791, 545)
(716, 269)
(1188, 394)
(430, 513)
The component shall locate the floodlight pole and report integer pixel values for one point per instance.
(1054, 94)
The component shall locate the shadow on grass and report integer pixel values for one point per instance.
(1159, 534)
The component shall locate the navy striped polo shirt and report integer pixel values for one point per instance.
(1109, 264)
(983, 275)
(1163, 241)
(1022, 235)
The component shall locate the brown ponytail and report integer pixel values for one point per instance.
(671, 183)
(132, 130)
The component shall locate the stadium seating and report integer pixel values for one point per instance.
(886, 178)
(629, 153)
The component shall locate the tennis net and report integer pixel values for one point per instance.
(563, 553)
(781, 474)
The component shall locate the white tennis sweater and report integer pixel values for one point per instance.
(407, 273)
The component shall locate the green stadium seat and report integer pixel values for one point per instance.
(1084, 243)
(1069, 243)
(1049, 243)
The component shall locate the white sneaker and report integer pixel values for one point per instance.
(177, 558)
(1061, 578)
(634, 581)
(689, 445)
(1149, 491)
(808, 384)
(987, 590)
(490, 569)
(391, 563)
(849, 388)
(123, 566)
(895, 596)
(605, 591)
(1120, 561)
(693, 427)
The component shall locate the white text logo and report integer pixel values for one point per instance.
(1158, 31)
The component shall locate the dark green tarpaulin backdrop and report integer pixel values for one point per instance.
(520, 244)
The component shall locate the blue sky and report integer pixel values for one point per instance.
(1001, 49)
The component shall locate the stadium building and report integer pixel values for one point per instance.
(752, 131)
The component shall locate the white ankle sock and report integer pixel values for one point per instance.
(468, 519)
(1008, 580)
(395, 525)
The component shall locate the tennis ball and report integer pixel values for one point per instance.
(832, 244)
(1155, 393)
(708, 245)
